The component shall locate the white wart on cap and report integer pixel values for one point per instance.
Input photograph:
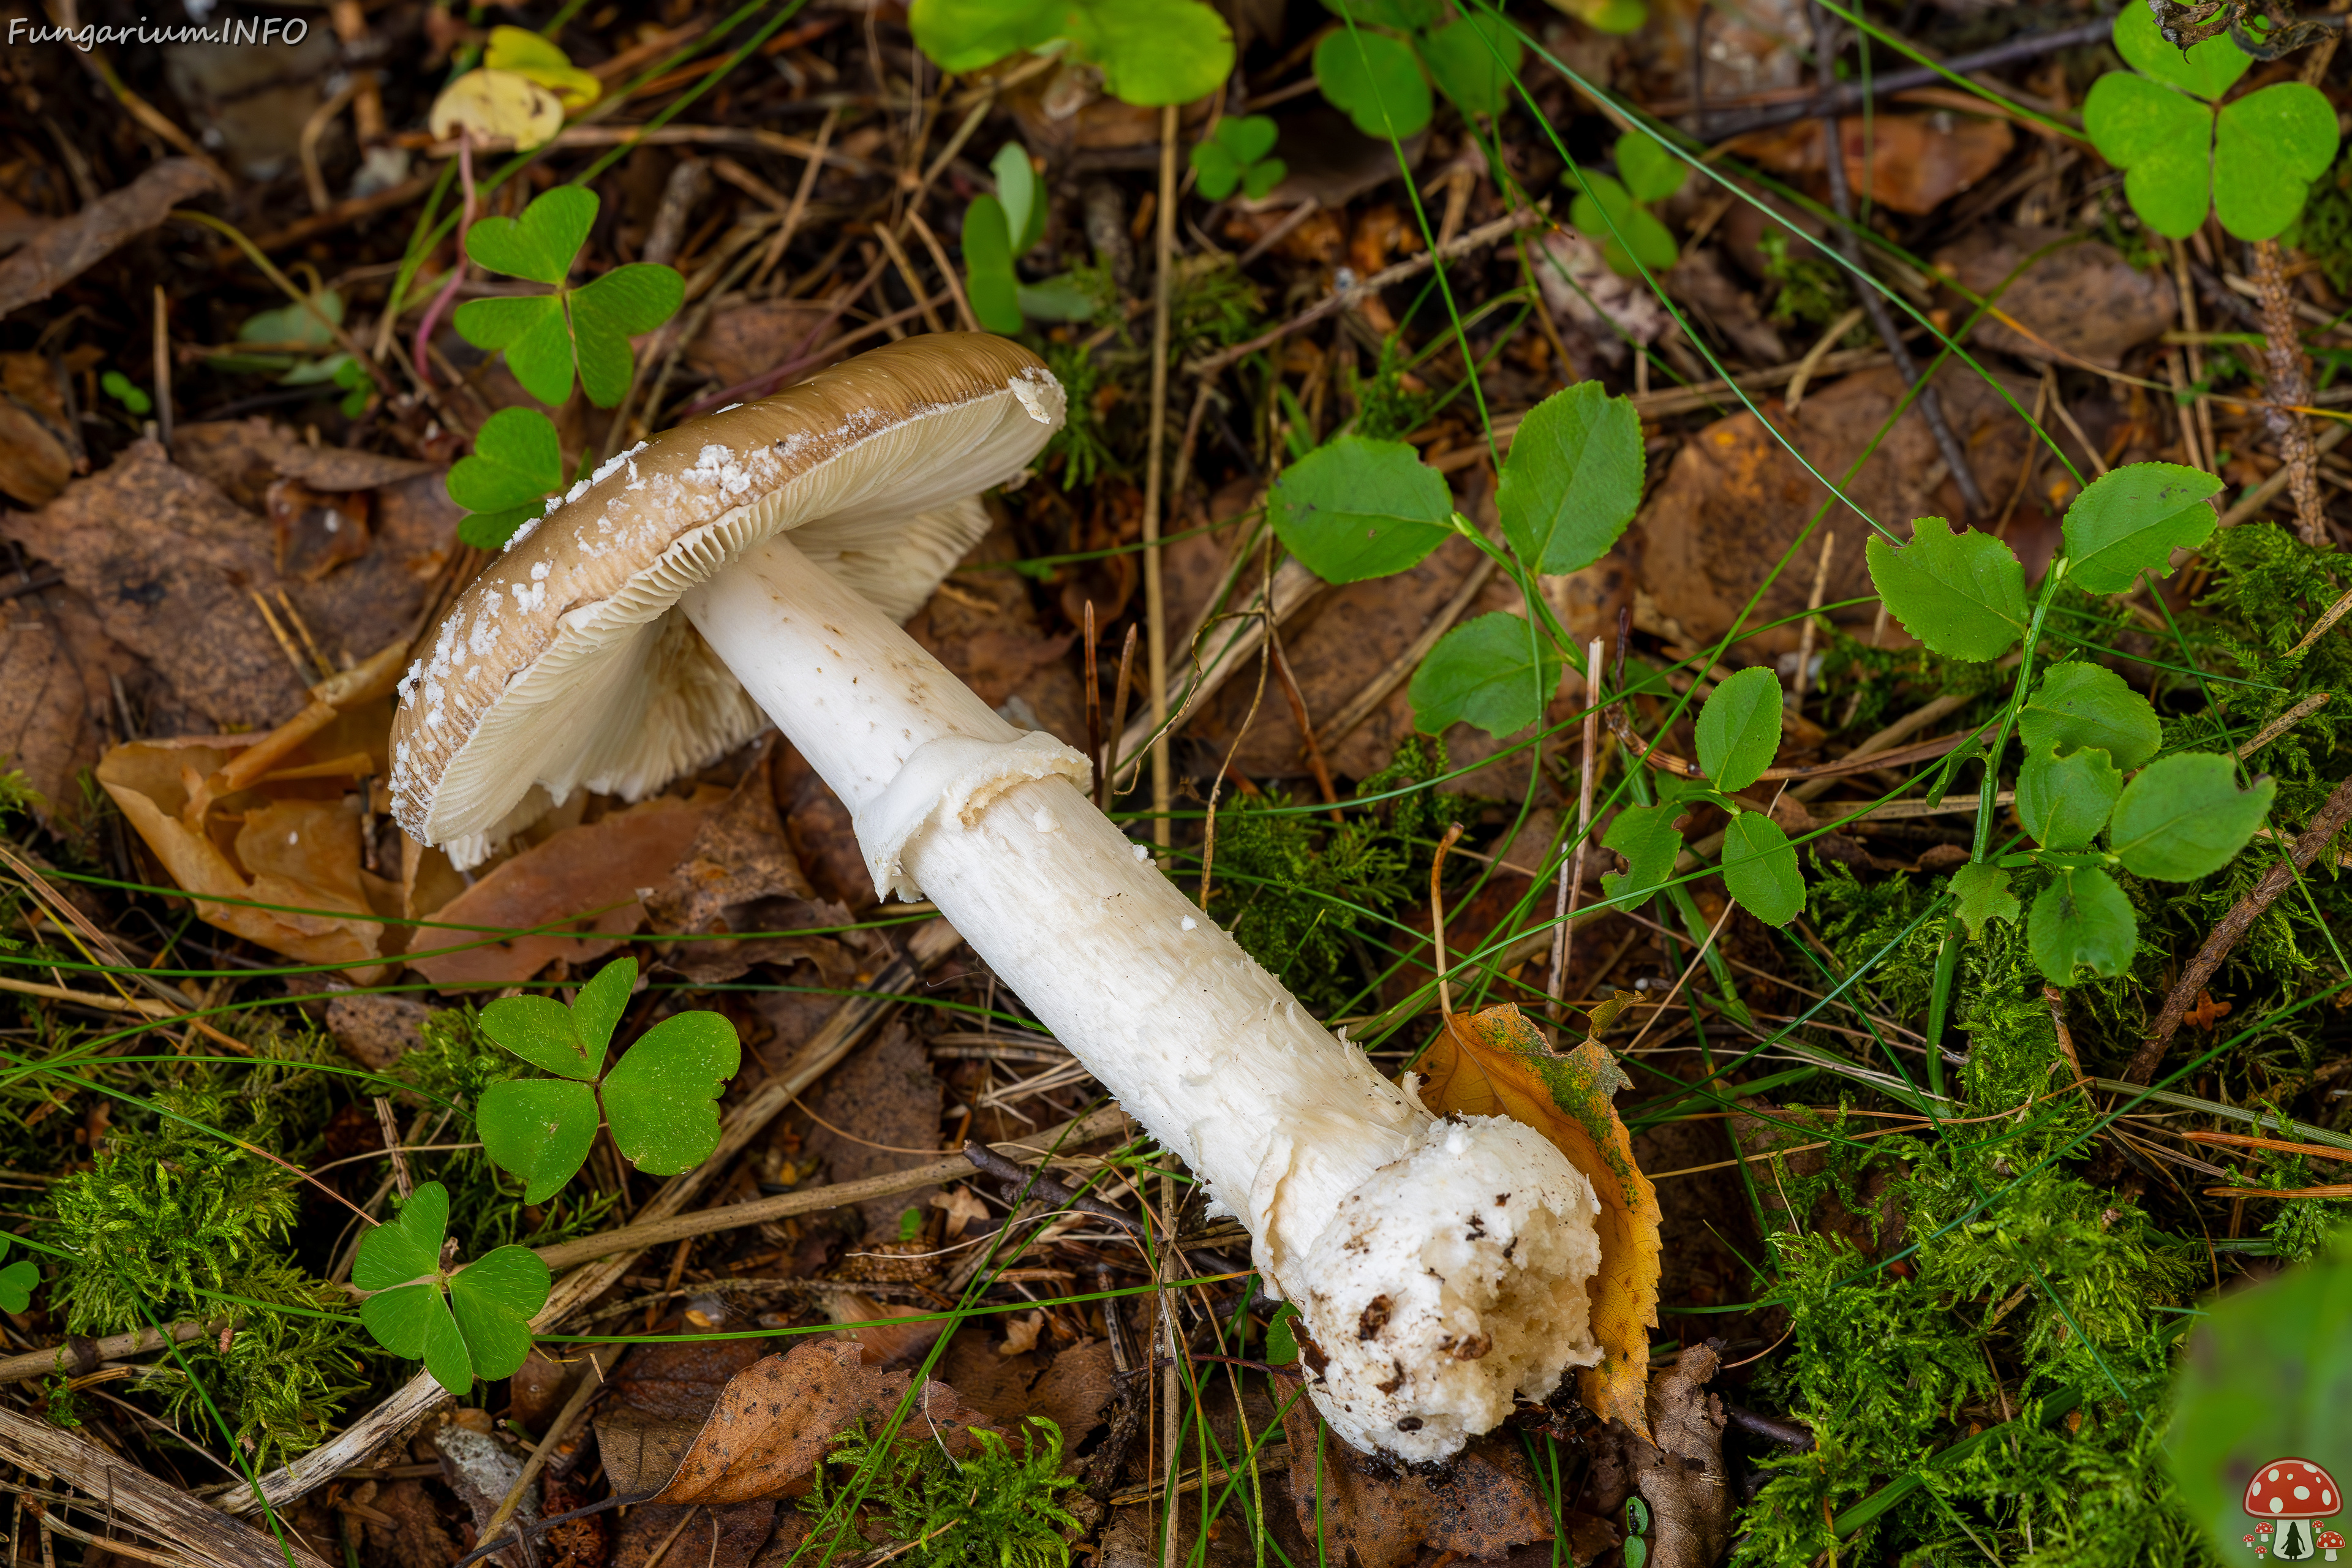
(566, 663)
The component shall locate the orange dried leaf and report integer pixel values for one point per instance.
(1496, 1064)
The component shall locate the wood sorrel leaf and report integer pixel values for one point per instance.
(2184, 816)
(1153, 53)
(541, 244)
(2082, 919)
(2064, 801)
(1473, 61)
(2207, 69)
(1375, 80)
(1405, 15)
(1982, 893)
(543, 1032)
(662, 1097)
(493, 1299)
(2132, 520)
(1759, 869)
(610, 310)
(1646, 836)
(516, 464)
(596, 1010)
(17, 1282)
(2163, 140)
(407, 1246)
(1739, 729)
(1021, 194)
(965, 34)
(2081, 704)
(1960, 592)
(1494, 672)
(1574, 479)
(539, 1129)
(2268, 147)
(1651, 170)
(989, 278)
(1355, 508)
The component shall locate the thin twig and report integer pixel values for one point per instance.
(1155, 603)
(1572, 882)
(1437, 923)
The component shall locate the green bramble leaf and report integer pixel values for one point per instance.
(1960, 592)
(2131, 520)
(1495, 672)
(1357, 507)
(989, 278)
(2082, 919)
(1739, 729)
(1646, 836)
(1023, 195)
(659, 1099)
(2079, 704)
(1650, 170)
(1474, 61)
(1759, 865)
(1981, 891)
(2184, 816)
(662, 1098)
(2064, 800)
(1375, 80)
(1573, 479)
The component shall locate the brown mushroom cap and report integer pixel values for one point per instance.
(2292, 1489)
(566, 663)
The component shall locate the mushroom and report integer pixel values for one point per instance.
(757, 563)
(2330, 1544)
(2290, 1493)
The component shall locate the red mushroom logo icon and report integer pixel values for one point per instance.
(2330, 1542)
(2290, 1494)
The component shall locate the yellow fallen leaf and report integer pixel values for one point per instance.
(498, 106)
(1496, 1064)
(525, 53)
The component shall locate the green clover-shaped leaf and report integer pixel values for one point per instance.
(531, 331)
(2207, 69)
(662, 1098)
(1739, 729)
(1234, 157)
(540, 245)
(1646, 836)
(607, 312)
(408, 1310)
(965, 34)
(17, 1282)
(1574, 479)
(1960, 592)
(2184, 816)
(1474, 61)
(1494, 672)
(1375, 80)
(1649, 168)
(1981, 891)
(515, 466)
(539, 1129)
(1153, 53)
(2082, 919)
(1357, 507)
(544, 336)
(2268, 147)
(1604, 210)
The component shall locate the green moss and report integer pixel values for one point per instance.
(996, 1508)
(1810, 289)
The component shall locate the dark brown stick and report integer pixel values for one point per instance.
(2287, 386)
(1015, 1180)
(2236, 924)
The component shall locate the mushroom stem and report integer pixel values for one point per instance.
(1440, 1265)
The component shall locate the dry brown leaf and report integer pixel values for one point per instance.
(376, 1031)
(581, 881)
(1021, 1334)
(962, 1209)
(1681, 1475)
(1481, 1504)
(1911, 163)
(317, 530)
(1496, 1064)
(740, 1532)
(744, 340)
(740, 875)
(55, 688)
(2082, 300)
(415, 1538)
(36, 459)
(64, 250)
(774, 1421)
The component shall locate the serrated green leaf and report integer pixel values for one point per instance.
(2268, 147)
(661, 1099)
(2082, 919)
(2163, 140)
(2184, 816)
(1249, 137)
(1960, 592)
(16, 1285)
(2130, 522)
(1495, 672)
(1024, 198)
(2209, 69)
(533, 332)
(2082, 704)
(1474, 61)
(1759, 869)
(407, 1246)
(1219, 172)
(1983, 894)
(1375, 80)
(1573, 479)
(1646, 836)
(539, 1129)
(2064, 801)
(989, 278)
(493, 1300)
(541, 244)
(597, 1007)
(543, 1032)
(1739, 729)
(965, 34)
(1153, 53)
(1650, 170)
(1355, 508)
